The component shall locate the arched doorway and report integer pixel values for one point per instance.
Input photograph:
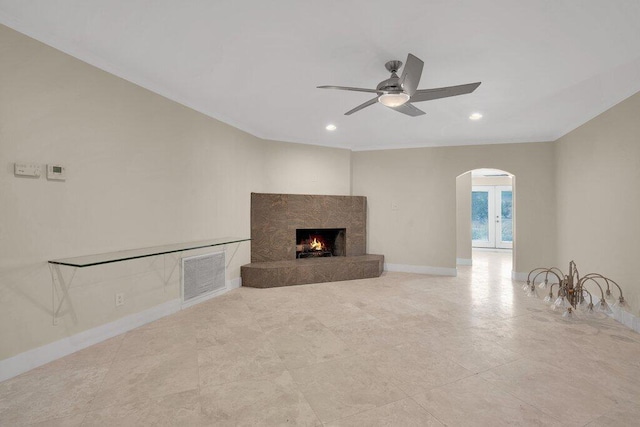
(486, 213)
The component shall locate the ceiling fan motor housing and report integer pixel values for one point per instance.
(391, 85)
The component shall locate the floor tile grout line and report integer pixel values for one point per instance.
(100, 387)
(370, 409)
(146, 397)
(301, 393)
(428, 412)
(506, 391)
(497, 387)
(531, 404)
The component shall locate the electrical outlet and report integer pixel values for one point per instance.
(119, 299)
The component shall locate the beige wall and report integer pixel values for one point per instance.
(491, 180)
(463, 216)
(292, 169)
(422, 183)
(142, 171)
(598, 173)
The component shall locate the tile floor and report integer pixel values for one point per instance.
(400, 350)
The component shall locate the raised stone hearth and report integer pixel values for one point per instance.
(311, 270)
(281, 257)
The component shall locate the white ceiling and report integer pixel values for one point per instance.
(546, 66)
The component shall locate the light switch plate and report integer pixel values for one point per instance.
(27, 169)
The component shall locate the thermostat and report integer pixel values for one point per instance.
(56, 172)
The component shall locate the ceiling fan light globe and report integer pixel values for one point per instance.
(393, 99)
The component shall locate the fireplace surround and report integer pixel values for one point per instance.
(284, 226)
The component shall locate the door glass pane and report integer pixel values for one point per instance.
(506, 205)
(480, 215)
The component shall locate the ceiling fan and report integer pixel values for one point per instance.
(399, 93)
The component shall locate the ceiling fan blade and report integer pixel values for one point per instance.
(361, 106)
(411, 74)
(443, 92)
(409, 110)
(355, 89)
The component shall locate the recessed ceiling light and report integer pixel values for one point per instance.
(331, 127)
(475, 116)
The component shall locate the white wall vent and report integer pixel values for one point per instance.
(203, 275)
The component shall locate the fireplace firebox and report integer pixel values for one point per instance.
(320, 242)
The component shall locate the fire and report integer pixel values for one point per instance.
(316, 245)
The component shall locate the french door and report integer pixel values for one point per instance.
(492, 216)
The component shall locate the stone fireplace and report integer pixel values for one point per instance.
(297, 239)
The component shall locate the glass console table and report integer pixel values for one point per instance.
(60, 291)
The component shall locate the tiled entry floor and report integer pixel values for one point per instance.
(402, 349)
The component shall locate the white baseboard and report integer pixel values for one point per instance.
(464, 261)
(626, 318)
(31, 359)
(234, 283)
(39, 356)
(421, 269)
(622, 316)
